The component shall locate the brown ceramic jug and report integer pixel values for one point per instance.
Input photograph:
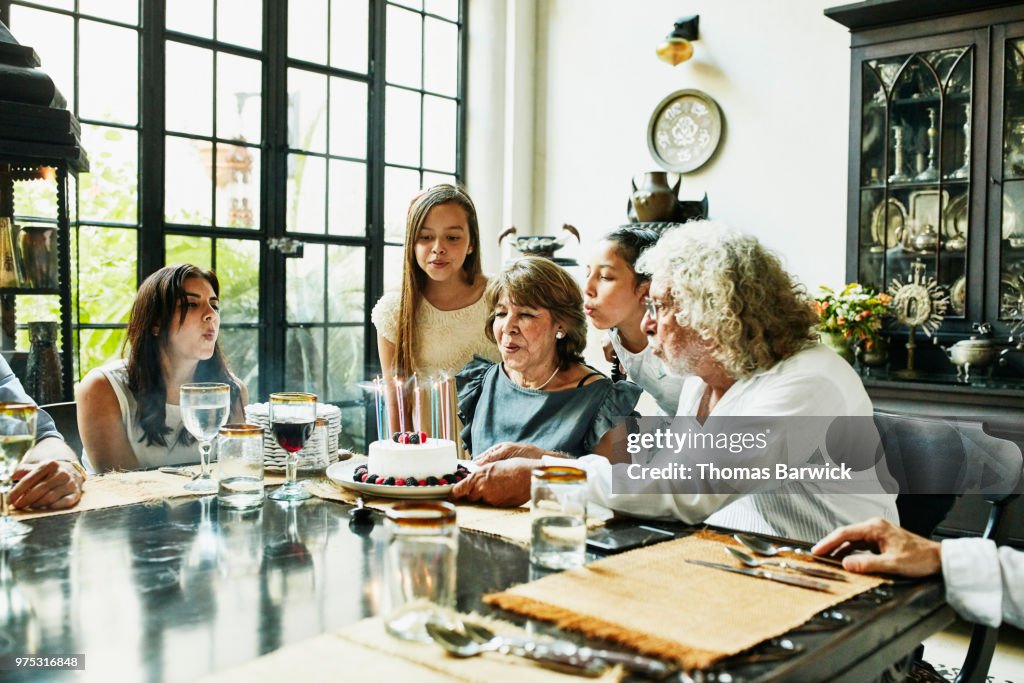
(654, 200)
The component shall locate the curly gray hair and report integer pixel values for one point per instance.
(734, 293)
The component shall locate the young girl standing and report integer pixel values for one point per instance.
(435, 324)
(614, 296)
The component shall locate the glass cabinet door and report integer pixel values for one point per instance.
(1011, 227)
(914, 174)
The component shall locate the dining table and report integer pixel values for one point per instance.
(181, 588)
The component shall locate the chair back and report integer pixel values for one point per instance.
(65, 417)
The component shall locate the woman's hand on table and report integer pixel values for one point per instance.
(50, 485)
(506, 450)
(505, 483)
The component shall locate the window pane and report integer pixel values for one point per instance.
(241, 347)
(189, 89)
(53, 38)
(353, 429)
(393, 260)
(404, 47)
(191, 16)
(348, 118)
(345, 363)
(239, 88)
(188, 249)
(303, 357)
(400, 186)
(414, 4)
(349, 34)
(109, 192)
(402, 127)
(307, 101)
(240, 22)
(441, 57)
(108, 55)
(439, 124)
(431, 179)
(188, 185)
(36, 198)
(107, 273)
(238, 269)
(307, 191)
(307, 30)
(305, 290)
(98, 347)
(347, 198)
(347, 268)
(445, 8)
(126, 11)
(238, 186)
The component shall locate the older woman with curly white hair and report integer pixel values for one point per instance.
(723, 312)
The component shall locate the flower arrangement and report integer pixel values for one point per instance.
(856, 312)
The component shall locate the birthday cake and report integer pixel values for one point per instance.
(411, 459)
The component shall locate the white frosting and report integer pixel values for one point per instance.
(435, 458)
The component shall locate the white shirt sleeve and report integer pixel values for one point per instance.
(984, 584)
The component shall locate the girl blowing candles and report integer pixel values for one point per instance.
(436, 323)
(613, 299)
(128, 412)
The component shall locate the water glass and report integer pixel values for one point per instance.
(240, 466)
(558, 512)
(204, 408)
(420, 573)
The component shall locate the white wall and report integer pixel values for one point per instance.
(778, 70)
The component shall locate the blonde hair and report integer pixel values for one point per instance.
(538, 283)
(413, 277)
(734, 293)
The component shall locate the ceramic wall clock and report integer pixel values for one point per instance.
(684, 131)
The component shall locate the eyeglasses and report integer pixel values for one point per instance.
(654, 308)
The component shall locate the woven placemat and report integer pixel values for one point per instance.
(364, 651)
(651, 599)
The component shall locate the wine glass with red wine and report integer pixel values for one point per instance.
(291, 418)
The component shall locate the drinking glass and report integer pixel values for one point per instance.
(240, 466)
(17, 436)
(558, 508)
(291, 418)
(204, 409)
(421, 561)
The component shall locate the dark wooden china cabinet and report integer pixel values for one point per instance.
(936, 185)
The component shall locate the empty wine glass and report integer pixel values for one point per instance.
(291, 418)
(204, 409)
(17, 436)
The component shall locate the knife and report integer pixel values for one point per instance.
(771, 576)
(811, 571)
(583, 656)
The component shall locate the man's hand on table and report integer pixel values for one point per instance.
(898, 550)
(506, 450)
(48, 479)
(505, 483)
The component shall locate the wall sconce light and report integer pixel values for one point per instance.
(677, 47)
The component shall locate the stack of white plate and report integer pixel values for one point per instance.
(310, 458)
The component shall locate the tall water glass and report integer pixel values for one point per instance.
(558, 511)
(17, 436)
(204, 409)
(291, 417)
(240, 466)
(420, 574)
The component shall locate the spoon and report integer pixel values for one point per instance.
(632, 662)
(459, 644)
(809, 571)
(763, 547)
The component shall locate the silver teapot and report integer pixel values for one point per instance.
(974, 353)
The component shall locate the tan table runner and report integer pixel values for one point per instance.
(652, 600)
(364, 651)
(127, 488)
(512, 524)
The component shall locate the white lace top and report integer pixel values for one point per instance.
(445, 340)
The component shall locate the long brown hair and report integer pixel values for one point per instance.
(153, 309)
(413, 277)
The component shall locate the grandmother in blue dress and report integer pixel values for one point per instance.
(540, 399)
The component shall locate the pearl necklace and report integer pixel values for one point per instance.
(548, 380)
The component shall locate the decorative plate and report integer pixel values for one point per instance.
(684, 131)
(340, 474)
(888, 226)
